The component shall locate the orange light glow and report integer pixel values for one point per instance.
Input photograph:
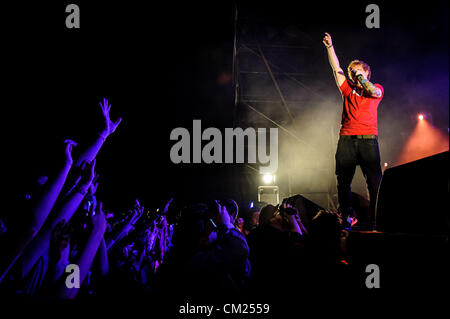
(420, 117)
(425, 140)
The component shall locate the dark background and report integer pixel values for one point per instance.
(163, 64)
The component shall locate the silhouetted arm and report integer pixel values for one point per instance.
(64, 211)
(109, 127)
(84, 261)
(40, 210)
(102, 255)
(127, 226)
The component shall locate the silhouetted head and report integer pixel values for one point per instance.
(267, 213)
(195, 229)
(326, 232)
(232, 208)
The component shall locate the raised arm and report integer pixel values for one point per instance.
(64, 211)
(102, 255)
(45, 204)
(127, 227)
(39, 213)
(108, 128)
(84, 261)
(233, 247)
(292, 213)
(338, 73)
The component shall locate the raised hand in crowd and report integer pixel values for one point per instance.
(101, 259)
(63, 211)
(59, 251)
(222, 217)
(94, 185)
(87, 177)
(166, 207)
(109, 127)
(22, 234)
(137, 212)
(128, 226)
(87, 254)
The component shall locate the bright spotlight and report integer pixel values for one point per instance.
(420, 117)
(385, 164)
(268, 178)
(424, 141)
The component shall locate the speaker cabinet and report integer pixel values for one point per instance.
(413, 198)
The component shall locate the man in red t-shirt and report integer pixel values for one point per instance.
(358, 138)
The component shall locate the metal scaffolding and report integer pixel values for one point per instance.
(268, 66)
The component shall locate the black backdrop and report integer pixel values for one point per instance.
(158, 63)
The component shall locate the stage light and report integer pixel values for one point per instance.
(251, 204)
(385, 164)
(268, 178)
(425, 140)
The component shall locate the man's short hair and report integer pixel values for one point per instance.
(364, 65)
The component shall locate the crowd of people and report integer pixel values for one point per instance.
(203, 251)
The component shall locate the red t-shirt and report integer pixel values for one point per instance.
(359, 113)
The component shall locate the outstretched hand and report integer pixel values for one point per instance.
(109, 126)
(222, 217)
(166, 208)
(327, 40)
(137, 212)
(94, 185)
(98, 218)
(87, 174)
(68, 151)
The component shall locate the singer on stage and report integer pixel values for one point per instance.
(358, 137)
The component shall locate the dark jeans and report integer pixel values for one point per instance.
(350, 153)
